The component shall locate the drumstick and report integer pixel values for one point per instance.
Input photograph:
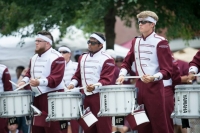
(154, 76)
(96, 84)
(132, 77)
(24, 85)
(13, 83)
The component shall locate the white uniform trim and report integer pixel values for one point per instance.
(137, 57)
(41, 68)
(44, 38)
(123, 72)
(43, 82)
(26, 79)
(167, 82)
(193, 69)
(146, 58)
(91, 67)
(159, 75)
(74, 82)
(70, 69)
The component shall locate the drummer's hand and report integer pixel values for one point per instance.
(34, 82)
(120, 79)
(90, 88)
(184, 79)
(191, 77)
(21, 83)
(147, 78)
(70, 86)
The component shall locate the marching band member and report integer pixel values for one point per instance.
(153, 61)
(95, 67)
(5, 85)
(178, 77)
(70, 69)
(45, 75)
(194, 66)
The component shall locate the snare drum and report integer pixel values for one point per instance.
(116, 100)
(63, 106)
(187, 101)
(15, 103)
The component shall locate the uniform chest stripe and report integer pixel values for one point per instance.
(147, 52)
(146, 45)
(144, 58)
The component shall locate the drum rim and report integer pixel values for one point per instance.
(187, 116)
(16, 115)
(117, 86)
(14, 92)
(188, 90)
(64, 93)
(186, 86)
(61, 118)
(113, 114)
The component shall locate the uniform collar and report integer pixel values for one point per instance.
(94, 53)
(69, 62)
(47, 51)
(149, 36)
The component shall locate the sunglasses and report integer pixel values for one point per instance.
(92, 42)
(144, 22)
(63, 52)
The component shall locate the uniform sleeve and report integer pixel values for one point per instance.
(57, 72)
(116, 74)
(183, 66)
(129, 59)
(27, 75)
(176, 77)
(107, 72)
(165, 59)
(195, 63)
(5, 78)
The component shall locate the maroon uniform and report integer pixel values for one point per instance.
(152, 56)
(195, 63)
(169, 94)
(50, 67)
(95, 68)
(5, 85)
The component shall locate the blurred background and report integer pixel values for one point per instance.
(71, 22)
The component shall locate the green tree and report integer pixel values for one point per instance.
(181, 18)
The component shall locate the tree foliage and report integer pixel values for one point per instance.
(181, 18)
